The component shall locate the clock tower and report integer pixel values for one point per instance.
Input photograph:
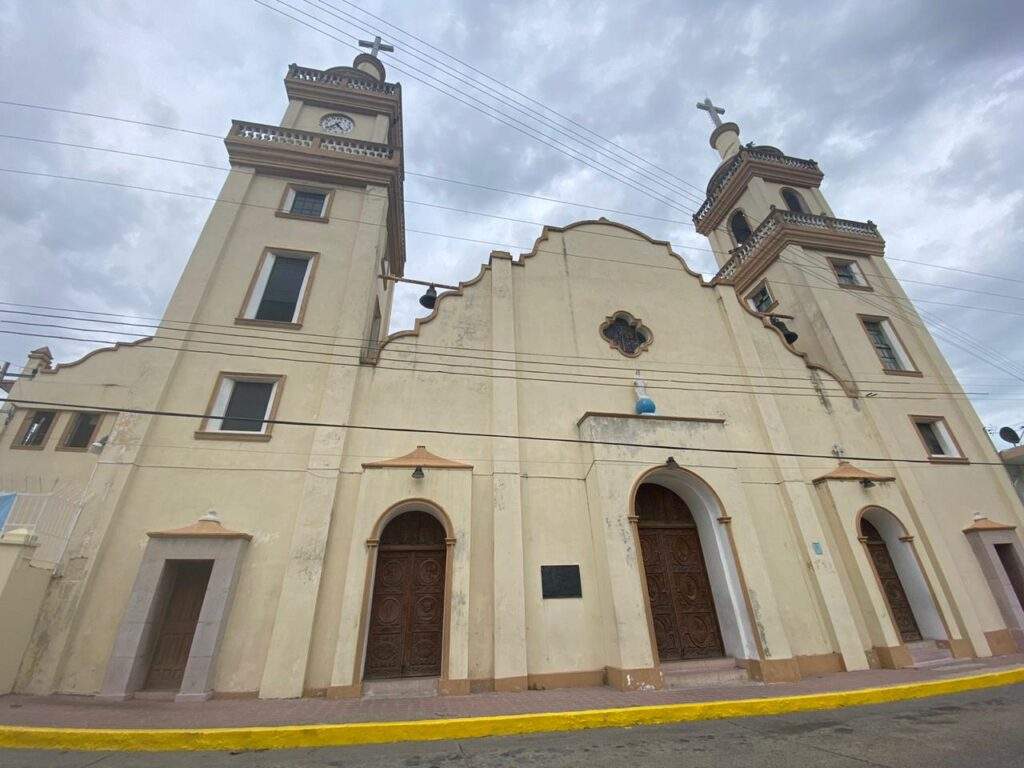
(308, 224)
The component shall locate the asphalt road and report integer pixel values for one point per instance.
(975, 730)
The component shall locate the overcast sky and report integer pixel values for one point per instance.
(913, 111)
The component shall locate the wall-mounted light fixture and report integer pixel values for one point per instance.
(417, 473)
(429, 298)
(670, 462)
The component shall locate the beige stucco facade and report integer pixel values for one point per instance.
(532, 413)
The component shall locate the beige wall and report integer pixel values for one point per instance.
(22, 587)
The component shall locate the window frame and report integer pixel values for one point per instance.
(835, 262)
(26, 423)
(205, 432)
(284, 208)
(763, 285)
(300, 306)
(900, 348)
(69, 428)
(945, 435)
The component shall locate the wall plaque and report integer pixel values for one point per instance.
(560, 581)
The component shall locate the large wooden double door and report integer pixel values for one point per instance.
(407, 611)
(682, 605)
(892, 587)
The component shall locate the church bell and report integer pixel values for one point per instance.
(429, 299)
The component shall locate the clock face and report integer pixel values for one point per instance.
(337, 123)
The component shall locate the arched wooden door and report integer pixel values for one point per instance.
(682, 605)
(407, 611)
(892, 587)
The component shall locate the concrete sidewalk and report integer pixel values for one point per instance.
(86, 712)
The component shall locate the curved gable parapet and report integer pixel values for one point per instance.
(421, 321)
(603, 222)
(849, 388)
(117, 346)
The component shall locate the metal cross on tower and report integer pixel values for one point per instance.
(711, 109)
(376, 46)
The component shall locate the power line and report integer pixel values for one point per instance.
(417, 347)
(490, 93)
(520, 93)
(513, 246)
(496, 435)
(930, 265)
(506, 119)
(571, 377)
(527, 221)
(418, 368)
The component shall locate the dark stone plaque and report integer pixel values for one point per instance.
(560, 581)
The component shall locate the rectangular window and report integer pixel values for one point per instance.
(890, 351)
(240, 406)
(278, 290)
(848, 273)
(80, 431)
(34, 430)
(301, 202)
(761, 299)
(306, 203)
(936, 437)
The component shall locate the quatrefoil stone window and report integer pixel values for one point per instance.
(626, 333)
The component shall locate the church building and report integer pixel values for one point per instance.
(589, 465)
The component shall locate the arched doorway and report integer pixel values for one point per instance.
(678, 587)
(904, 586)
(406, 632)
(892, 587)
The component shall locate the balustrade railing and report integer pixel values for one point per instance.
(724, 174)
(295, 72)
(272, 134)
(777, 218)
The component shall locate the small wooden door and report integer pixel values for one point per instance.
(178, 624)
(892, 587)
(682, 605)
(407, 610)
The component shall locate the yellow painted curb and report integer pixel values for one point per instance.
(347, 734)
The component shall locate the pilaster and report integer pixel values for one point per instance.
(510, 656)
(284, 671)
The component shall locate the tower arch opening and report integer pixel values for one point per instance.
(740, 227)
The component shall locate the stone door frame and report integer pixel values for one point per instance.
(136, 634)
(983, 541)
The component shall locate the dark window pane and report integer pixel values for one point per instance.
(882, 346)
(762, 300)
(247, 406)
(845, 274)
(931, 439)
(282, 291)
(308, 203)
(81, 432)
(740, 228)
(793, 201)
(38, 428)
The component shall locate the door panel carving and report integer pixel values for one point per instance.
(407, 610)
(892, 587)
(682, 605)
(178, 626)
